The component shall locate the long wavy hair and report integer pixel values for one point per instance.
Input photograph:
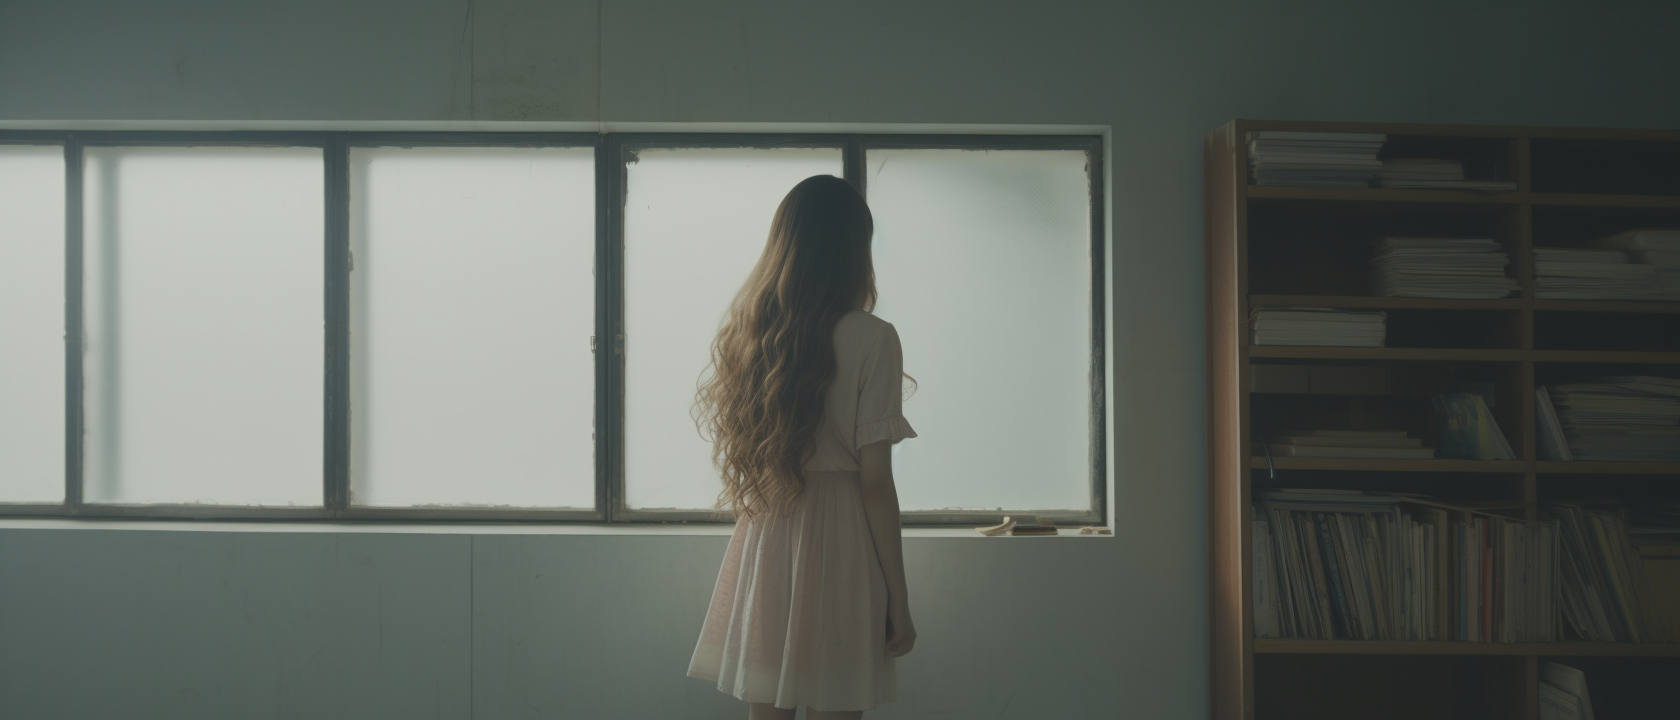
(773, 359)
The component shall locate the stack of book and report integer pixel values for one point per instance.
(1342, 564)
(1365, 444)
(1657, 248)
(1440, 268)
(1319, 326)
(1605, 594)
(1438, 173)
(1591, 274)
(1313, 159)
(1628, 418)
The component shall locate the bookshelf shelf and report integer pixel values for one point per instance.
(1604, 201)
(1383, 195)
(1366, 302)
(1607, 356)
(1409, 354)
(1608, 468)
(1385, 303)
(1609, 306)
(1273, 193)
(1453, 466)
(1365, 647)
(1284, 246)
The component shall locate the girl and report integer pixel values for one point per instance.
(802, 408)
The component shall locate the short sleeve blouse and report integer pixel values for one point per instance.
(865, 401)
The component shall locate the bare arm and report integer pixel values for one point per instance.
(880, 507)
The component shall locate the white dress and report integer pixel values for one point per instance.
(799, 614)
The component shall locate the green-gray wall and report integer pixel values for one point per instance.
(143, 624)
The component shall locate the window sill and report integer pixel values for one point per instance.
(451, 528)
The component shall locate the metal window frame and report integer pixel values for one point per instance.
(613, 153)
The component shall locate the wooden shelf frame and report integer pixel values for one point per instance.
(1286, 193)
(1277, 646)
(1232, 469)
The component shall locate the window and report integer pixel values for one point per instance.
(31, 323)
(202, 315)
(472, 298)
(695, 221)
(509, 326)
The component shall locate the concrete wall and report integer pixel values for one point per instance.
(140, 624)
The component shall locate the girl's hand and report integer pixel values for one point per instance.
(901, 632)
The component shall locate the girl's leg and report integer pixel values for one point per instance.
(833, 714)
(767, 711)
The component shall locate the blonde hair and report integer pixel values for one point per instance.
(773, 360)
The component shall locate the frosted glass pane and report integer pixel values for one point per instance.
(982, 261)
(31, 324)
(695, 223)
(203, 303)
(473, 300)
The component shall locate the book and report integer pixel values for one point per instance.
(1606, 595)
(1265, 599)
(1568, 680)
(1548, 433)
(1559, 704)
(1378, 569)
(1468, 429)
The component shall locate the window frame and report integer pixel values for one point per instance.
(614, 151)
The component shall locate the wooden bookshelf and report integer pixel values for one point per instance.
(1302, 247)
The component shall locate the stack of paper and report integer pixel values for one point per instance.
(1659, 249)
(1319, 326)
(1314, 159)
(1440, 268)
(1591, 274)
(1435, 173)
(1365, 444)
(1631, 418)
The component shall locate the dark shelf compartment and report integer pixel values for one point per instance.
(1399, 399)
(1306, 687)
(1318, 249)
(1550, 373)
(1479, 329)
(1624, 167)
(1639, 332)
(1632, 489)
(1578, 226)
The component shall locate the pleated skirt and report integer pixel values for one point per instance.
(799, 613)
